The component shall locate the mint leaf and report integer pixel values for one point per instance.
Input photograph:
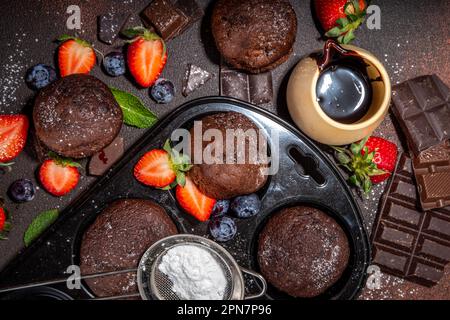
(134, 112)
(39, 225)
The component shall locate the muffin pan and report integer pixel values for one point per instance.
(305, 177)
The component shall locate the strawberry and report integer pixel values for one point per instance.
(146, 56)
(340, 18)
(372, 160)
(162, 168)
(5, 225)
(2, 219)
(59, 175)
(75, 56)
(13, 136)
(193, 201)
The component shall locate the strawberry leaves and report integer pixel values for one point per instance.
(64, 162)
(359, 162)
(180, 163)
(345, 27)
(66, 37)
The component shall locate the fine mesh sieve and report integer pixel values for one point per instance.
(154, 284)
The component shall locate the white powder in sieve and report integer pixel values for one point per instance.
(194, 273)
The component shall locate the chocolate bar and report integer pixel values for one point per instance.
(109, 26)
(432, 172)
(254, 88)
(171, 18)
(406, 241)
(103, 160)
(421, 106)
(194, 78)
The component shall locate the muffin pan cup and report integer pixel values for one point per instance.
(305, 176)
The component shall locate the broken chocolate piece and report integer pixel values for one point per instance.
(110, 25)
(194, 78)
(406, 241)
(168, 20)
(422, 107)
(254, 88)
(103, 160)
(432, 171)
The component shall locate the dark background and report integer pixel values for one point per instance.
(414, 40)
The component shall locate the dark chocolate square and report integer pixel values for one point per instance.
(165, 17)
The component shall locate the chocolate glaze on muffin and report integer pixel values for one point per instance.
(76, 116)
(302, 251)
(254, 35)
(222, 180)
(117, 240)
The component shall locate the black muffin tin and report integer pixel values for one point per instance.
(305, 176)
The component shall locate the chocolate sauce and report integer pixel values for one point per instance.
(343, 89)
(102, 157)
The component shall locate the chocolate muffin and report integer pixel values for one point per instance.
(76, 116)
(302, 251)
(117, 240)
(222, 179)
(254, 35)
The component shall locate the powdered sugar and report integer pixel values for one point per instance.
(194, 272)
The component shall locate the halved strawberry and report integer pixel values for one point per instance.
(13, 135)
(193, 201)
(75, 56)
(160, 168)
(146, 56)
(58, 175)
(154, 169)
(2, 219)
(5, 224)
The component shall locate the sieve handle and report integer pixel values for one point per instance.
(261, 279)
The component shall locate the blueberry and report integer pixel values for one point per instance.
(114, 64)
(246, 206)
(222, 229)
(40, 76)
(220, 208)
(22, 190)
(163, 91)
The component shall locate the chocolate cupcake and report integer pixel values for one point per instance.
(116, 241)
(254, 35)
(302, 251)
(76, 116)
(222, 179)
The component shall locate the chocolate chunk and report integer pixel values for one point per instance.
(110, 25)
(194, 78)
(103, 160)
(254, 88)
(432, 171)
(406, 241)
(421, 105)
(168, 20)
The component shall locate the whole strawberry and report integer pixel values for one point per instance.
(340, 18)
(370, 161)
(146, 56)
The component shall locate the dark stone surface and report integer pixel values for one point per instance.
(28, 32)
